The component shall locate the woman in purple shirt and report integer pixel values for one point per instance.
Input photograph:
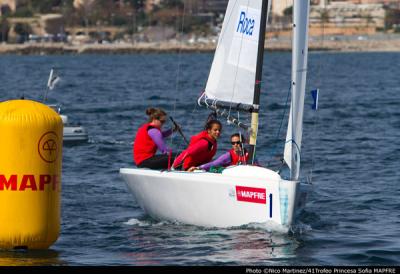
(150, 139)
(236, 155)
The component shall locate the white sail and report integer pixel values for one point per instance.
(232, 75)
(299, 73)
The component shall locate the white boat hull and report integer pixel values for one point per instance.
(71, 133)
(240, 195)
(75, 134)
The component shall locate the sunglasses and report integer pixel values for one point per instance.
(162, 121)
(236, 143)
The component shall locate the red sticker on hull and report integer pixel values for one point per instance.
(251, 194)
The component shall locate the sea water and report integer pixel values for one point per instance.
(350, 152)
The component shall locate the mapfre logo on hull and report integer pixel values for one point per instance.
(251, 194)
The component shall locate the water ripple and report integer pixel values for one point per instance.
(350, 150)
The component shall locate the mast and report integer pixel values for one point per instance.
(257, 86)
(299, 73)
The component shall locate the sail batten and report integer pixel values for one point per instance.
(299, 73)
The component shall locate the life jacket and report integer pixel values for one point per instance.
(205, 156)
(143, 147)
(238, 159)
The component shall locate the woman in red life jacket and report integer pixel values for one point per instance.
(202, 147)
(150, 138)
(237, 155)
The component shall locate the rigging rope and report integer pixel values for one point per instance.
(178, 73)
(318, 82)
(281, 123)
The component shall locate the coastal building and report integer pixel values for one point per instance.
(150, 4)
(334, 17)
(84, 4)
(205, 6)
(46, 26)
(348, 14)
(385, 2)
(279, 6)
(11, 5)
(52, 24)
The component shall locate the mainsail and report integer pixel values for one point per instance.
(299, 73)
(235, 76)
(233, 71)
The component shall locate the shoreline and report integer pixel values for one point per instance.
(384, 45)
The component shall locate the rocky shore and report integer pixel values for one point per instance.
(367, 45)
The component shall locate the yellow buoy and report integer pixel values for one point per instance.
(31, 136)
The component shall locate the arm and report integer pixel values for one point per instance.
(222, 160)
(179, 160)
(157, 137)
(167, 133)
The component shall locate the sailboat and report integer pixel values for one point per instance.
(71, 133)
(242, 194)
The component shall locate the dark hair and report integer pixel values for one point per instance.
(210, 123)
(155, 113)
(240, 136)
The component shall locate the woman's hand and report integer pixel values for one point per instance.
(193, 168)
(176, 127)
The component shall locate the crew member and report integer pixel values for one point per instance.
(150, 138)
(237, 155)
(202, 147)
